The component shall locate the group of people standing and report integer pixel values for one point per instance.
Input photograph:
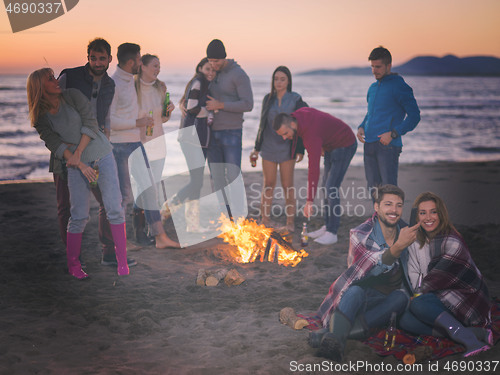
(129, 109)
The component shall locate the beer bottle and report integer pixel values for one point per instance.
(166, 102)
(304, 236)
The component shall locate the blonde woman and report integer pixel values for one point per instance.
(151, 95)
(66, 115)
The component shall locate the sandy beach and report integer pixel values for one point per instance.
(157, 321)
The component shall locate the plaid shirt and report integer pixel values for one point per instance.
(455, 279)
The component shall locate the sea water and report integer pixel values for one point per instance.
(460, 119)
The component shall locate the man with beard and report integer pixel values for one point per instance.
(94, 82)
(371, 289)
(125, 128)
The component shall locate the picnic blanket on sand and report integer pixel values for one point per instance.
(405, 342)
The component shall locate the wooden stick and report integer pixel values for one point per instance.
(288, 317)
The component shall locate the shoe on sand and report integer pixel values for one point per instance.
(318, 233)
(327, 239)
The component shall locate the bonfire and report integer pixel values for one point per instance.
(256, 241)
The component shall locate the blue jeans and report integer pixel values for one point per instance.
(381, 164)
(376, 306)
(192, 190)
(80, 192)
(224, 150)
(422, 313)
(122, 152)
(336, 163)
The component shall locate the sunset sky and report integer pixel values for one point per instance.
(259, 34)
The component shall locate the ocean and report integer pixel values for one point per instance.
(460, 119)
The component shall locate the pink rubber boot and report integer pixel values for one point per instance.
(120, 239)
(73, 247)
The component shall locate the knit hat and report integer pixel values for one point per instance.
(216, 50)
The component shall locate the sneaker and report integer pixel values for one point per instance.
(318, 233)
(328, 238)
(111, 261)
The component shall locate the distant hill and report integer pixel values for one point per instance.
(450, 65)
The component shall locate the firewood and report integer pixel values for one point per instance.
(202, 276)
(288, 317)
(233, 278)
(214, 278)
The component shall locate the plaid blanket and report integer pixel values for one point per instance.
(407, 343)
(455, 279)
(441, 347)
(364, 254)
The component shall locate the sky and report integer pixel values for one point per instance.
(259, 34)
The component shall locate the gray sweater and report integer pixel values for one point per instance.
(231, 86)
(73, 119)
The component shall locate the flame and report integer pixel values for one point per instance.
(251, 240)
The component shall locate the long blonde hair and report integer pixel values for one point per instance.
(146, 59)
(37, 104)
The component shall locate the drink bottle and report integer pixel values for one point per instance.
(166, 102)
(418, 289)
(149, 128)
(94, 183)
(253, 160)
(390, 333)
(304, 237)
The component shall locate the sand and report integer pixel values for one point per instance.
(157, 321)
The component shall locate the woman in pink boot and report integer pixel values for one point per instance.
(67, 115)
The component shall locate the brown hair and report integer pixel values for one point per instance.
(445, 226)
(379, 192)
(37, 104)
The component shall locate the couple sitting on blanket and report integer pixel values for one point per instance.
(385, 260)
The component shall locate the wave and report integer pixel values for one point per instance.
(484, 150)
(12, 88)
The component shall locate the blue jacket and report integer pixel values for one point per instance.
(391, 106)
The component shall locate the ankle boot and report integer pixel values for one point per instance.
(73, 248)
(333, 343)
(458, 333)
(120, 240)
(359, 329)
(139, 223)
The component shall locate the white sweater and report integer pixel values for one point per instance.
(124, 109)
(151, 100)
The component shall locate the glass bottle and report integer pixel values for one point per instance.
(149, 128)
(418, 289)
(166, 102)
(390, 333)
(93, 184)
(304, 236)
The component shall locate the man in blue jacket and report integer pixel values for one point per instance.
(392, 112)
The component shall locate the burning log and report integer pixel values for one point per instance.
(288, 317)
(214, 278)
(233, 278)
(255, 241)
